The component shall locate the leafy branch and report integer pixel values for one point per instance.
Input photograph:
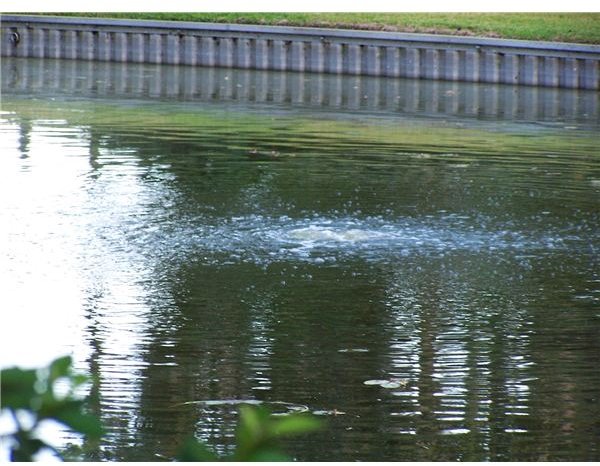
(36, 395)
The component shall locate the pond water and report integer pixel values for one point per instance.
(416, 262)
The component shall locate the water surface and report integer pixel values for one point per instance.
(199, 237)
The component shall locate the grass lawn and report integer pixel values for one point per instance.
(563, 27)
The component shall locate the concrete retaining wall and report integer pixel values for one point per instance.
(433, 57)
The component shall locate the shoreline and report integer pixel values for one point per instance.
(286, 48)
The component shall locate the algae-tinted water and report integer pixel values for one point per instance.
(427, 281)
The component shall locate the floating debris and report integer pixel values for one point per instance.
(263, 154)
(353, 350)
(278, 408)
(374, 382)
(328, 412)
(391, 383)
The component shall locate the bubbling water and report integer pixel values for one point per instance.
(315, 233)
(262, 239)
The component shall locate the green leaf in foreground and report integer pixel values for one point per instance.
(258, 436)
(294, 425)
(193, 450)
(37, 392)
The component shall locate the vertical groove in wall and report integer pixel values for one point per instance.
(287, 55)
(550, 77)
(509, 73)
(154, 51)
(472, 58)
(142, 46)
(226, 52)
(101, 46)
(334, 58)
(451, 65)
(353, 60)
(373, 60)
(37, 43)
(207, 52)
(392, 62)
(279, 55)
(261, 54)
(120, 47)
(490, 67)
(242, 53)
(87, 46)
(461, 67)
(413, 62)
(364, 59)
(68, 45)
(297, 56)
(220, 52)
(435, 64)
(235, 52)
(528, 73)
(171, 49)
(565, 75)
(23, 44)
(591, 74)
(6, 43)
(135, 53)
(317, 57)
(402, 55)
(190, 50)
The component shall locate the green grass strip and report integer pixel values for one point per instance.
(561, 27)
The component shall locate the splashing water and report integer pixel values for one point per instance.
(262, 239)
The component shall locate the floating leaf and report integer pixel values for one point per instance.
(328, 412)
(391, 383)
(374, 382)
(278, 408)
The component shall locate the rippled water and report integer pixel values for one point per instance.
(424, 277)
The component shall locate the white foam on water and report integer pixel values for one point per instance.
(324, 240)
(316, 233)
